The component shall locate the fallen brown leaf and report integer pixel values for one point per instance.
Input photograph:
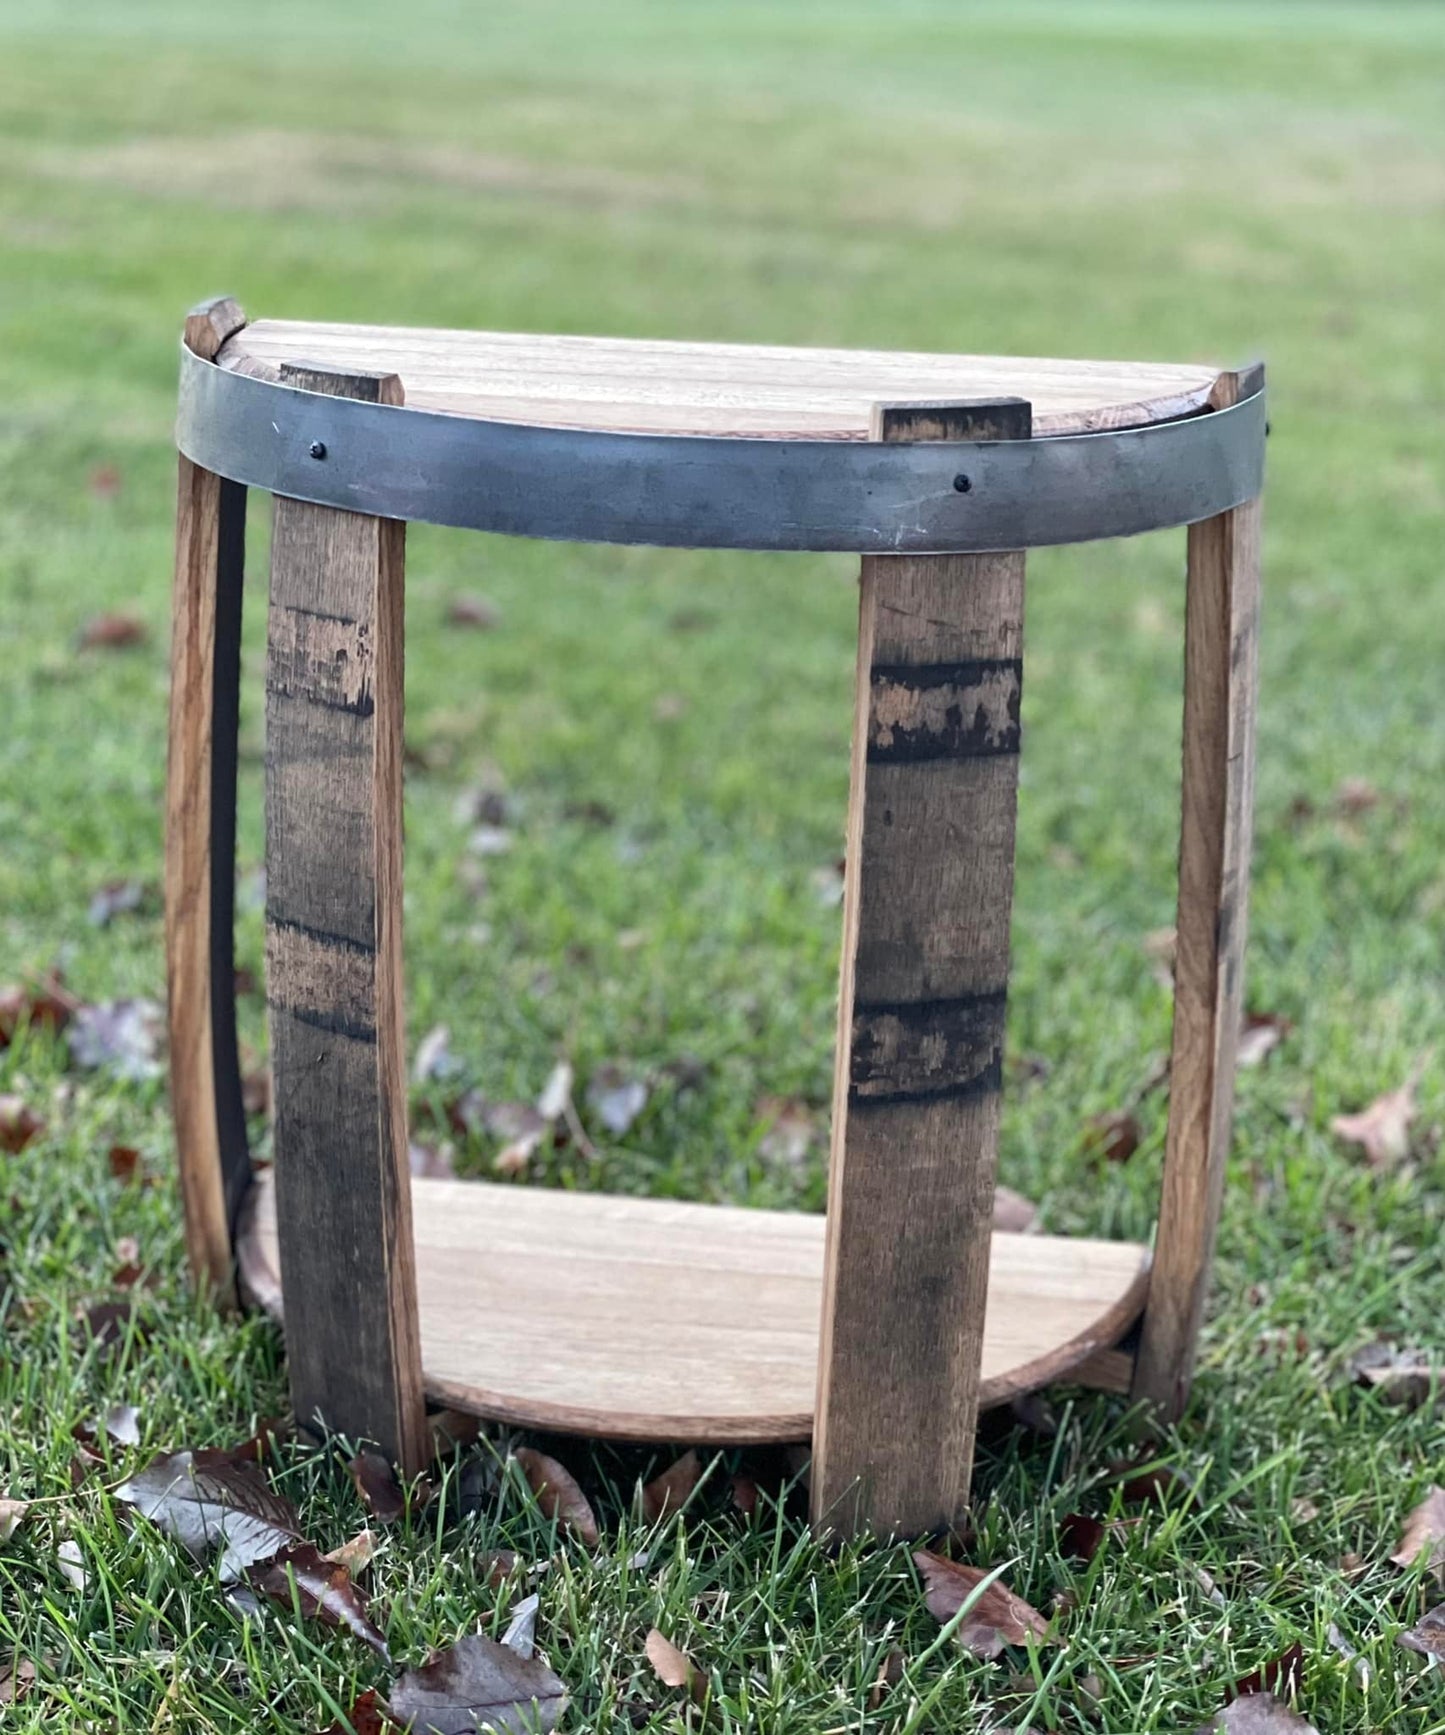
(496, 1566)
(114, 898)
(1382, 1131)
(125, 1163)
(367, 1716)
(43, 1006)
(1281, 1674)
(355, 1555)
(12, 1513)
(434, 1057)
(890, 1673)
(674, 1668)
(1081, 1537)
(114, 1326)
(381, 1494)
(1427, 1636)
(479, 1684)
(322, 1589)
(616, 1097)
(1115, 1136)
(1424, 1534)
(1145, 1482)
(745, 1495)
(1401, 1376)
(204, 1503)
(557, 1494)
(669, 1492)
(475, 611)
(17, 1677)
(122, 1036)
(112, 632)
(1261, 1034)
(997, 1618)
(19, 1124)
(1259, 1714)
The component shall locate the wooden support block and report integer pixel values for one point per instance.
(927, 897)
(1220, 697)
(214, 1163)
(333, 944)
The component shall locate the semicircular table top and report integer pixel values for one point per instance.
(625, 385)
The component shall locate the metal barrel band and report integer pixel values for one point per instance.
(696, 491)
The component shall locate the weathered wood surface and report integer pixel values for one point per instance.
(334, 982)
(1220, 699)
(927, 898)
(717, 388)
(649, 1319)
(213, 1160)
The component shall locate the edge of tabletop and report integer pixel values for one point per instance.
(1212, 393)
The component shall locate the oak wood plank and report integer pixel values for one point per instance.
(333, 941)
(654, 1319)
(713, 388)
(212, 1155)
(927, 897)
(1221, 675)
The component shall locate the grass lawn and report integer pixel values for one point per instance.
(1091, 177)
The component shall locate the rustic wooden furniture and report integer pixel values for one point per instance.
(883, 1330)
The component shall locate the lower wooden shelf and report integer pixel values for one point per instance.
(646, 1319)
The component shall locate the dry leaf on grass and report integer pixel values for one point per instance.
(674, 1668)
(556, 1097)
(12, 1514)
(1261, 1034)
(381, 1494)
(43, 1006)
(113, 1327)
(479, 1684)
(669, 1492)
(300, 1577)
(890, 1673)
(521, 1633)
(557, 1494)
(1427, 1636)
(71, 1561)
(112, 632)
(125, 1163)
(355, 1555)
(1281, 1674)
(1081, 1537)
(205, 1501)
(1424, 1535)
(121, 1036)
(745, 1495)
(367, 1716)
(1114, 1137)
(616, 1097)
(434, 1057)
(471, 609)
(121, 1423)
(19, 1124)
(17, 1677)
(1259, 1714)
(1382, 1131)
(792, 1129)
(996, 1618)
(115, 898)
(1400, 1376)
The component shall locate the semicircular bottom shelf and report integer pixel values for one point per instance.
(648, 1319)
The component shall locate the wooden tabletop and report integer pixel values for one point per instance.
(712, 388)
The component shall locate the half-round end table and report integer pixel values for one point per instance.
(881, 1330)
